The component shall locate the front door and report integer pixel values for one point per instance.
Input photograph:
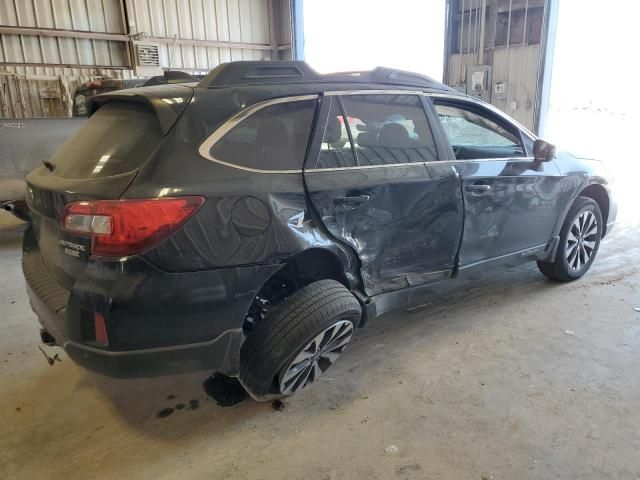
(370, 186)
(510, 200)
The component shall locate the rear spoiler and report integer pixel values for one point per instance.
(167, 101)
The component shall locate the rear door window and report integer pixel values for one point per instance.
(389, 129)
(273, 138)
(117, 139)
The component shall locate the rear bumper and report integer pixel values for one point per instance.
(218, 355)
(162, 324)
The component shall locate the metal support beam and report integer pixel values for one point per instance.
(545, 66)
(447, 42)
(298, 29)
(125, 29)
(116, 37)
(51, 32)
(273, 29)
(208, 43)
(483, 18)
(66, 65)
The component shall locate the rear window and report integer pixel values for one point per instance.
(273, 138)
(118, 138)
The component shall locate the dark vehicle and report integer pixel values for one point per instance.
(85, 92)
(247, 225)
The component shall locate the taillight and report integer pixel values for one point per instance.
(101, 330)
(123, 227)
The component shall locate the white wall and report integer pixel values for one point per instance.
(342, 35)
(594, 106)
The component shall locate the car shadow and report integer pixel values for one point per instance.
(184, 402)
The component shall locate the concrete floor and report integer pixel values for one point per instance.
(517, 377)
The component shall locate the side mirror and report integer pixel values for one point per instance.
(543, 151)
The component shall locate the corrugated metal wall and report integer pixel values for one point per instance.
(511, 48)
(233, 21)
(73, 41)
(102, 16)
(516, 68)
(34, 78)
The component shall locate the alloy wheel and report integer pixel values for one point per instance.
(581, 240)
(316, 357)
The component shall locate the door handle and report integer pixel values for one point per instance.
(348, 200)
(478, 188)
(353, 199)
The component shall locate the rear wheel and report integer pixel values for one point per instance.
(579, 242)
(298, 340)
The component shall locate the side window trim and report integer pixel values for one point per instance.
(348, 129)
(524, 135)
(317, 135)
(443, 147)
(205, 147)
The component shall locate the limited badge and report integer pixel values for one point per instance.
(77, 247)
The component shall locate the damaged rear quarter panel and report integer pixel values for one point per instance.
(248, 218)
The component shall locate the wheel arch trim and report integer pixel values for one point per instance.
(591, 185)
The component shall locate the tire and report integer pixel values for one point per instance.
(579, 242)
(287, 336)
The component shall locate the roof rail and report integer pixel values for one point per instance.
(270, 72)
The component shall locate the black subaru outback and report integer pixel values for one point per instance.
(248, 223)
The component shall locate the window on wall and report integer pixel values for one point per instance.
(273, 138)
(335, 150)
(474, 135)
(388, 129)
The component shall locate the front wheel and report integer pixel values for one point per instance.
(299, 340)
(579, 242)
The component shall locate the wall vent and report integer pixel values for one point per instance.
(147, 59)
(148, 54)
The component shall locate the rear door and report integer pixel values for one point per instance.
(511, 202)
(370, 185)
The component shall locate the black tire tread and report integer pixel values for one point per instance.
(300, 317)
(557, 270)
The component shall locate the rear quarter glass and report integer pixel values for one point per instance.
(117, 139)
(273, 138)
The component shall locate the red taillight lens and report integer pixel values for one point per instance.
(124, 227)
(101, 330)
